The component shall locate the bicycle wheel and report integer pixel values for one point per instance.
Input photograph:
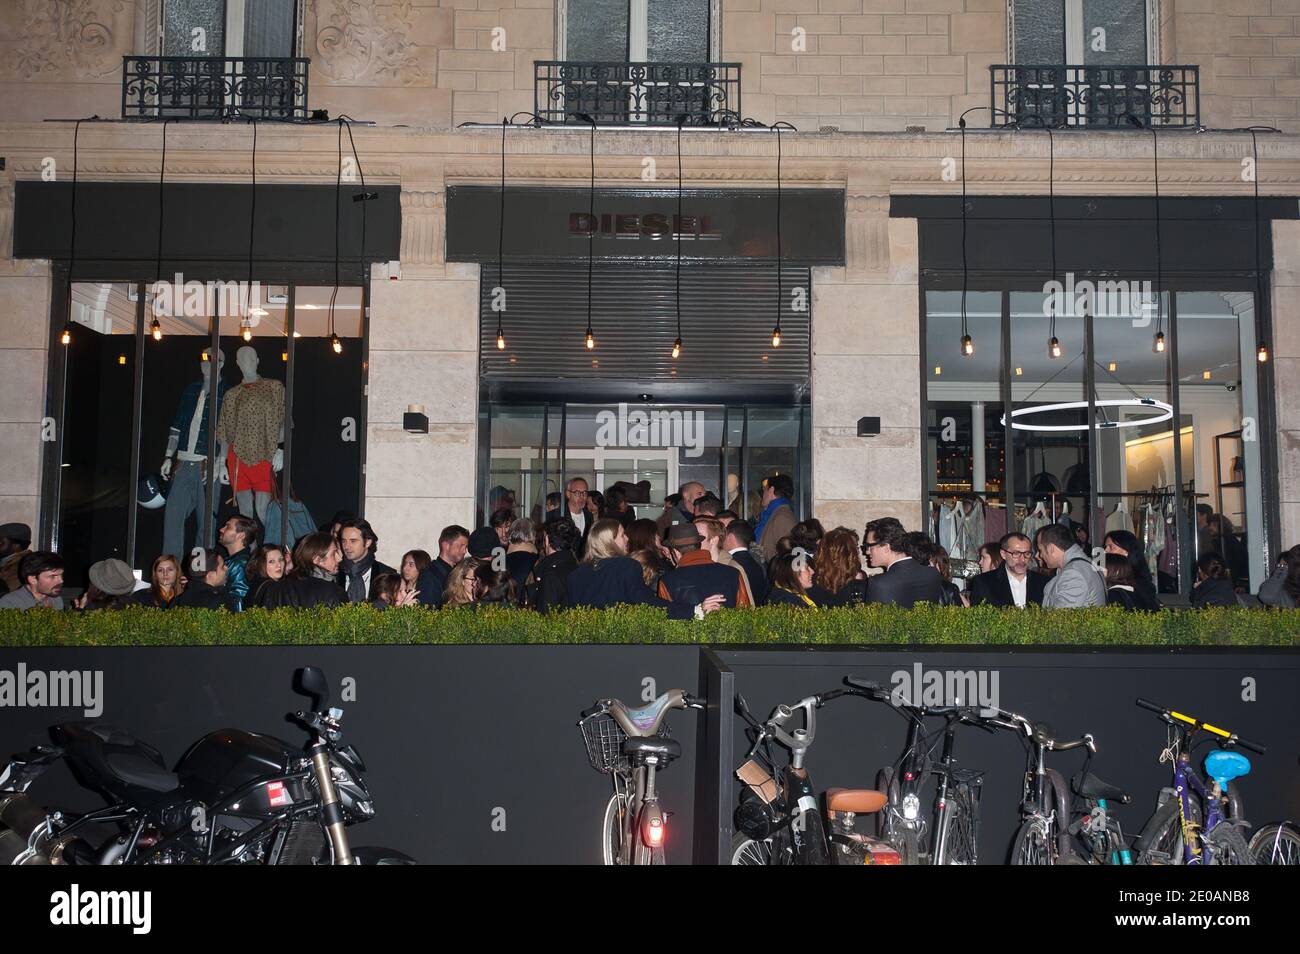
(1032, 846)
(1226, 845)
(905, 840)
(961, 848)
(750, 851)
(611, 831)
(1276, 844)
(1161, 840)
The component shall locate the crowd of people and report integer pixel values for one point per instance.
(589, 550)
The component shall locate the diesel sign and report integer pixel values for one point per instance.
(653, 225)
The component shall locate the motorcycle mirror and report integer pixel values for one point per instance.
(312, 682)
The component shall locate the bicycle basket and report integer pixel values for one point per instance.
(604, 740)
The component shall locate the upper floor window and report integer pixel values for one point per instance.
(249, 28)
(1081, 32)
(638, 31)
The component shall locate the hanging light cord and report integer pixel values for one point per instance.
(252, 216)
(777, 128)
(681, 121)
(1051, 213)
(162, 172)
(501, 222)
(338, 191)
(1160, 280)
(965, 271)
(365, 196)
(1259, 275)
(591, 218)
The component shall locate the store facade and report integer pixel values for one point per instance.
(871, 242)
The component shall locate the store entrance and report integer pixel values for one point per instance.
(650, 449)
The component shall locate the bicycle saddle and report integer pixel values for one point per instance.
(646, 720)
(1224, 766)
(859, 801)
(666, 749)
(1090, 786)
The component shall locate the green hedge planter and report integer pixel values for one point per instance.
(775, 626)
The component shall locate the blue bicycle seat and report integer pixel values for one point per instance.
(1223, 766)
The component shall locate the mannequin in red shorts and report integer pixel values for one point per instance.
(252, 425)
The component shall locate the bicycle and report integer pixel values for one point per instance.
(1196, 824)
(1045, 835)
(631, 746)
(957, 792)
(1276, 844)
(782, 823)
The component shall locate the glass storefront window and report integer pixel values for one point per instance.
(287, 369)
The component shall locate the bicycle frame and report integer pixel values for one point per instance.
(1188, 785)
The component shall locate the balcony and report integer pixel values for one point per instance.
(636, 94)
(1100, 96)
(214, 87)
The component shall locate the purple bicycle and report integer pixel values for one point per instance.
(1197, 822)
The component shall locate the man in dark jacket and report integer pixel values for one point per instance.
(905, 581)
(359, 569)
(207, 586)
(739, 538)
(684, 510)
(696, 574)
(1013, 583)
(547, 589)
(238, 535)
(453, 544)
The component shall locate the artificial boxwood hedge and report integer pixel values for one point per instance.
(766, 626)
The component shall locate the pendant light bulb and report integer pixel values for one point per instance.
(967, 345)
(501, 341)
(66, 337)
(336, 344)
(1159, 346)
(776, 337)
(155, 329)
(677, 348)
(591, 340)
(1261, 354)
(1054, 347)
(246, 331)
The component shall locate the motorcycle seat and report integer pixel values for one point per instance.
(136, 769)
(658, 745)
(859, 801)
(1090, 786)
(116, 755)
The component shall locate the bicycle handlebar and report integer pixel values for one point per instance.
(1171, 716)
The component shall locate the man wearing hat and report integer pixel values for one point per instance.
(111, 582)
(15, 543)
(697, 574)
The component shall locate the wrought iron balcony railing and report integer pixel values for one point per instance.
(214, 87)
(634, 94)
(1102, 96)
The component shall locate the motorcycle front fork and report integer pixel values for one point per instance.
(330, 810)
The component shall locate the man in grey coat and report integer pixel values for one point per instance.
(1077, 583)
(777, 518)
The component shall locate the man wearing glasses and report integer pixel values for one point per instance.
(1012, 583)
(905, 581)
(575, 508)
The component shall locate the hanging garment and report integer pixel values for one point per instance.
(995, 524)
(971, 531)
(1119, 519)
(948, 518)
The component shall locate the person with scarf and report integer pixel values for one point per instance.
(359, 569)
(777, 518)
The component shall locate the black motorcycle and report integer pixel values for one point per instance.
(236, 797)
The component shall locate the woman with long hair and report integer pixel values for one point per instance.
(643, 534)
(521, 551)
(414, 562)
(990, 556)
(314, 581)
(265, 568)
(791, 577)
(1120, 582)
(1126, 544)
(165, 583)
(837, 570)
(1213, 583)
(462, 587)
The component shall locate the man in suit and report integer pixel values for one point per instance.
(359, 569)
(453, 544)
(905, 581)
(777, 518)
(1012, 583)
(1076, 583)
(697, 575)
(737, 541)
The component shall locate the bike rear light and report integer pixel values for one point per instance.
(908, 776)
(654, 833)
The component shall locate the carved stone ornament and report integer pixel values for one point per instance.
(360, 39)
(57, 39)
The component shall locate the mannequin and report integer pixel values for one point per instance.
(252, 425)
(187, 446)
